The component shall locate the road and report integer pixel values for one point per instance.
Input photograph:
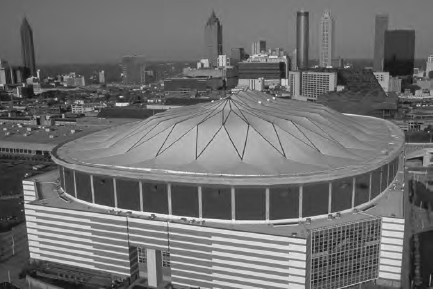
(13, 265)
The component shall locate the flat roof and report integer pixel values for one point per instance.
(38, 139)
(389, 204)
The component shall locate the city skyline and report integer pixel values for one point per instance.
(245, 22)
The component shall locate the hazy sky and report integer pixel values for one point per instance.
(89, 31)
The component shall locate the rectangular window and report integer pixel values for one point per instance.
(142, 257)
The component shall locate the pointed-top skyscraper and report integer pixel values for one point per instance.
(213, 39)
(27, 47)
(327, 39)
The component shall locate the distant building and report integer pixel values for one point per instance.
(228, 73)
(39, 74)
(394, 84)
(102, 77)
(308, 85)
(381, 25)
(18, 74)
(237, 55)
(223, 61)
(399, 52)
(4, 73)
(302, 39)
(293, 59)
(429, 66)
(203, 63)
(134, 69)
(327, 39)
(73, 80)
(258, 47)
(253, 84)
(213, 39)
(191, 86)
(264, 66)
(383, 79)
(27, 48)
(337, 62)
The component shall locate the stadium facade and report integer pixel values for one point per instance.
(244, 192)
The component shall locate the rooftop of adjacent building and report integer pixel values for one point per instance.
(22, 136)
(389, 204)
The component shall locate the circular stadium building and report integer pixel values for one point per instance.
(248, 191)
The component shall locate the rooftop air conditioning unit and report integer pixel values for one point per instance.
(330, 217)
(356, 211)
(51, 136)
(5, 128)
(7, 133)
(72, 131)
(47, 130)
(294, 234)
(308, 221)
(29, 129)
(338, 215)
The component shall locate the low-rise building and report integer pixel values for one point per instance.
(310, 84)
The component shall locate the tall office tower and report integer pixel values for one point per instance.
(294, 61)
(381, 25)
(101, 77)
(213, 39)
(258, 46)
(302, 38)
(134, 69)
(27, 48)
(327, 39)
(237, 55)
(4, 72)
(429, 66)
(399, 53)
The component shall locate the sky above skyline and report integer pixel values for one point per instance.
(95, 31)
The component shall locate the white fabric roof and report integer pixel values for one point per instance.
(245, 134)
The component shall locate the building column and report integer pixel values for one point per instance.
(154, 267)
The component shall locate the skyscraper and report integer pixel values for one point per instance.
(429, 66)
(399, 52)
(258, 46)
(134, 69)
(381, 25)
(327, 39)
(27, 48)
(213, 39)
(302, 38)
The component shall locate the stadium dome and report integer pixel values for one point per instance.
(247, 134)
(248, 139)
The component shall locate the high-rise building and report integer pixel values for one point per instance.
(327, 39)
(102, 77)
(27, 48)
(399, 53)
(381, 25)
(134, 69)
(429, 66)
(383, 79)
(4, 72)
(258, 47)
(237, 55)
(308, 85)
(302, 38)
(213, 39)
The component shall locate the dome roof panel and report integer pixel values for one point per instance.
(244, 134)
